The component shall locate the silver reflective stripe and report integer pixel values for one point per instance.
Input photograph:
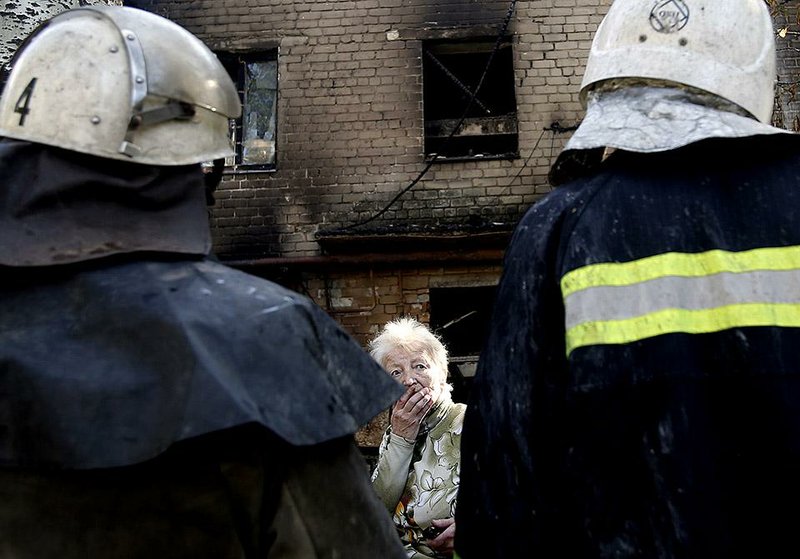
(605, 303)
(622, 302)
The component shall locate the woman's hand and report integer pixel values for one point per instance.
(443, 543)
(409, 410)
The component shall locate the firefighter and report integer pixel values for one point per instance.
(639, 392)
(154, 402)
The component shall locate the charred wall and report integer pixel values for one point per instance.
(350, 114)
(786, 16)
(350, 138)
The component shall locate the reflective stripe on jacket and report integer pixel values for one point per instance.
(639, 391)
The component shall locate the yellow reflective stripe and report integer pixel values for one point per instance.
(669, 321)
(680, 264)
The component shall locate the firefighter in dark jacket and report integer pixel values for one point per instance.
(153, 402)
(639, 392)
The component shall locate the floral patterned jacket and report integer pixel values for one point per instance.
(418, 481)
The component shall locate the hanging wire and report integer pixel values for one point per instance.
(525, 163)
(501, 34)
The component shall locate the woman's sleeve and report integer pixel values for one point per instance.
(391, 473)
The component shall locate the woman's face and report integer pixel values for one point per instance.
(410, 367)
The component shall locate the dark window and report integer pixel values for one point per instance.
(461, 316)
(451, 71)
(254, 134)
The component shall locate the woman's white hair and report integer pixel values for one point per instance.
(410, 335)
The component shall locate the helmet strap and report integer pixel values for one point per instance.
(171, 111)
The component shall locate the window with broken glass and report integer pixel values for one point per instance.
(456, 125)
(254, 133)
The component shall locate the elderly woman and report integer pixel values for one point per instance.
(418, 467)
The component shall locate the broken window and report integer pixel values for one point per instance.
(461, 317)
(254, 133)
(451, 70)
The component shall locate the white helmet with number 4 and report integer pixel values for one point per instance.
(120, 83)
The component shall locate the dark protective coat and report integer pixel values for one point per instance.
(234, 494)
(639, 393)
(156, 403)
(109, 364)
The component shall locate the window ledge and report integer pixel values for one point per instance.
(246, 171)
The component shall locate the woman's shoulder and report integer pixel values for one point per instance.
(458, 411)
(453, 418)
(457, 408)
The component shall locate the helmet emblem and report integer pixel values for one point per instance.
(668, 16)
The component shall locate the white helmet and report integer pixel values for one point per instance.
(724, 47)
(120, 83)
(663, 74)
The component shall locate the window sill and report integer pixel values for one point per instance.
(247, 170)
(483, 157)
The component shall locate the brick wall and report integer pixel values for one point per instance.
(363, 301)
(350, 113)
(350, 129)
(786, 16)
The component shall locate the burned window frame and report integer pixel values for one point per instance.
(455, 65)
(237, 63)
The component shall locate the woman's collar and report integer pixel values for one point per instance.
(438, 411)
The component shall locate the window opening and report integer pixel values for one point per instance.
(451, 71)
(461, 317)
(254, 133)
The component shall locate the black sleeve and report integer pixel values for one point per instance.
(509, 454)
(239, 493)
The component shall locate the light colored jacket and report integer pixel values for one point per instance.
(418, 481)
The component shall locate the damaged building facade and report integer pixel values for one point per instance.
(367, 174)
